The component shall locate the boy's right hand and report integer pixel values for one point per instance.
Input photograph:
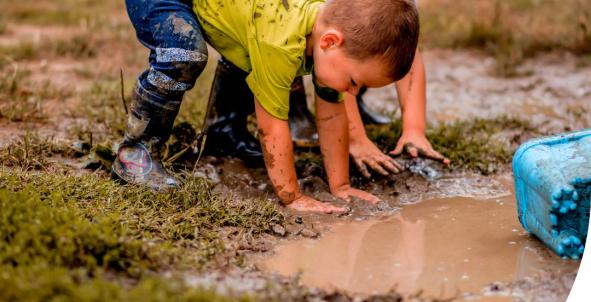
(346, 192)
(308, 204)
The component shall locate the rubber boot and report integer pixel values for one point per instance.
(367, 115)
(230, 103)
(149, 123)
(301, 121)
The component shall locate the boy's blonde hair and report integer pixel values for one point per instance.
(385, 28)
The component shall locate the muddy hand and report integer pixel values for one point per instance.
(309, 204)
(365, 154)
(346, 192)
(418, 145)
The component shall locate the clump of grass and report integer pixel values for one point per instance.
(84, 237)
(190, 216)
(50, 231)
(30, 152)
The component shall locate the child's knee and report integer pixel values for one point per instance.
(177, 69)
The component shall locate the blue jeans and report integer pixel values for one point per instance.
(178, 52)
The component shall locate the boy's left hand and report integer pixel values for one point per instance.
(346, 192)
(416, 144)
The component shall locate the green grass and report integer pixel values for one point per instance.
(90, 233)
(509, 30)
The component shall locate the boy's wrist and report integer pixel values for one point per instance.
(413, 130)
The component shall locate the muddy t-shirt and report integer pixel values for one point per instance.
(266, 38)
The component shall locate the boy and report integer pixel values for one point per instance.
(227, 134)
(348, 43)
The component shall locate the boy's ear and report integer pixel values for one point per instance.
(330, 38)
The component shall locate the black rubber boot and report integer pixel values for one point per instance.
(367, 115)
(230, 103)
(301, 121)
(149, 123)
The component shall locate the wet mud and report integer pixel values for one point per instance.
(444, 248)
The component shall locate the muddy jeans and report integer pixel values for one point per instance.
(178, 53)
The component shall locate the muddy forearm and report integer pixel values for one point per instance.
(356, 128)
(331, 121)
(412, 97)
(278, 152)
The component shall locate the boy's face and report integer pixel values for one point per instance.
(335, 69)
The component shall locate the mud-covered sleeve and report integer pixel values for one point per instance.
(273, 71)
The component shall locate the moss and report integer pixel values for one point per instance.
(33, 284)
(189, 217)
(48, 231)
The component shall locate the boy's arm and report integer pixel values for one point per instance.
(363, 151)
(412, 97)
(278, 152)
(331, 121)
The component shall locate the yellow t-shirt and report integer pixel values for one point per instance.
(266, 38)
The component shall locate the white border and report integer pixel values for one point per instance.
(581, 291)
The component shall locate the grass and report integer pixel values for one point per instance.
(84, 236)
(76, 47)
(508, 30)
(22, 99)
(63, 12)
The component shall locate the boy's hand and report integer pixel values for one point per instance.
(346, 192)
(308, 204)
(365, 153)
(416, 144)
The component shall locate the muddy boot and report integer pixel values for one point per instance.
(149, 124)
(367, 115)
(230, 104)
(301, 122)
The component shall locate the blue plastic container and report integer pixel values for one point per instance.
(553, 188)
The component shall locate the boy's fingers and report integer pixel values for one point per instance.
(394, 163)
(397, 151)
(390, 165)
(432, 154)
(362, 168)
(377, 167)
(412, 150)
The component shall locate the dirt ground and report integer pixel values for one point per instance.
(70, 91)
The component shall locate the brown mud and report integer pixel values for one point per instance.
(442, 247)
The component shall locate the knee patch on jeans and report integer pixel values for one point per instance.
(177, 69)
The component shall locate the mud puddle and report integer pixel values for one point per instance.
(450, 247)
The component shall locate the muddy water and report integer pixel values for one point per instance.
(440, 246)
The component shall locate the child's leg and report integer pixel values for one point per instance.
(178, 55)
(230, 103)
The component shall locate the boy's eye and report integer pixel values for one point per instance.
(353, 83)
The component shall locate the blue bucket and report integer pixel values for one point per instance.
(553, 190)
